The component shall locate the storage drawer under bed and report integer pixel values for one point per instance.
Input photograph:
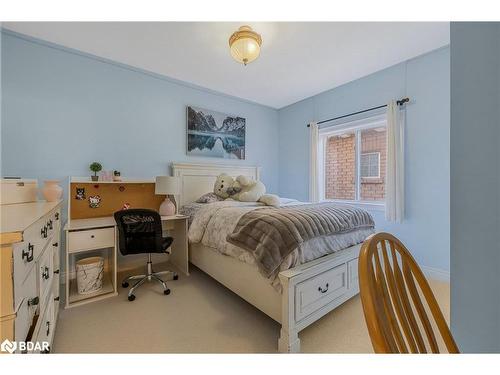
(316, 292)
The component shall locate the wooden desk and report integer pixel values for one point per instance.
(100, 234)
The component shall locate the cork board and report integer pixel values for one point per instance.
(112, 198)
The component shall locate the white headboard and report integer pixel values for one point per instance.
(198, 179)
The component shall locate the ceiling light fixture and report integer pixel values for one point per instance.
(245, 45)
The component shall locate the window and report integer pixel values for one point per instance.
(370, 165)
(353, 159)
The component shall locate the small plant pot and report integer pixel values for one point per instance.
(95, 178)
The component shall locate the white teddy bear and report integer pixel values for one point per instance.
(247, 190)
(244, 189)
(223, 186)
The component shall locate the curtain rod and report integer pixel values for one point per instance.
(399, 102)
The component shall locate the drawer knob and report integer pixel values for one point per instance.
(57, 216)
(55, 244)
(28, 254)
(48, 328)
(92, 236)
(43, 232)
(45, 273)
(321, 290)
(50, 224)
(33, 301)
(56, 271)
(56, 299)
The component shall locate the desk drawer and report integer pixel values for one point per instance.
(320, 290)
(91, 239)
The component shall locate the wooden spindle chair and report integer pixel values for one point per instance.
(392, 286)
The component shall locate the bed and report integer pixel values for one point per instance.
(299, 295)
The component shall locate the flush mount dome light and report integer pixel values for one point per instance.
(245, 45)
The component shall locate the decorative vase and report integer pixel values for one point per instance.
(52, 191)
(167, 208)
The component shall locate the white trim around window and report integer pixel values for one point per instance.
(366, 205)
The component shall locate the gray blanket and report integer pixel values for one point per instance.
(273, 233)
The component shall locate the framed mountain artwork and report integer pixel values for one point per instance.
(215, 134)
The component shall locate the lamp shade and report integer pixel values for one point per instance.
(167, 185)
(245, 45)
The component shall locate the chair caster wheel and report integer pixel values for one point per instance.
(176, 277)
(166, 292)
(125, 285)
(131, 297)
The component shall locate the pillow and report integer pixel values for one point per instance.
(209, 198)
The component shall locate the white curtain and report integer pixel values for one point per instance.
(395, 176)
(313, 163)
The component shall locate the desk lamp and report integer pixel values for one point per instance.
(169, 186)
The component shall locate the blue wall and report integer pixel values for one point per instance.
(475, 186)
(426, 81)
(62, 109)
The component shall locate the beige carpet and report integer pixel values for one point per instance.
(201, 316)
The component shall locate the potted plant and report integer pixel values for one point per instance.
(95, 167)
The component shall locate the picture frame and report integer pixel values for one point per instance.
(215, 134)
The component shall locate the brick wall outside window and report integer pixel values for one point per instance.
(340, 159)
(340, 178)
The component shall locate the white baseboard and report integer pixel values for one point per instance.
(436, 273)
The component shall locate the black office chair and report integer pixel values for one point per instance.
(140, 232)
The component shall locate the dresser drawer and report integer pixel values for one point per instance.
(318, 291)
(57, 277)
(56, 290)
(56, 246)
(25, 289)
(24, 319)
(46, 326)
(91, 239)
(53, 222)
(26, 253)
(45, 275)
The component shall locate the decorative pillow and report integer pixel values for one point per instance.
(209, 198)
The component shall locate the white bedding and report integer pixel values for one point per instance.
(211, 223)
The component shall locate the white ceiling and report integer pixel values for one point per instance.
(297, 60)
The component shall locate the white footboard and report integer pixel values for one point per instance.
(314, 289)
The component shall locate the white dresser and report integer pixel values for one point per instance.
(29, 274)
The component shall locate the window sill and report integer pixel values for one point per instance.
(366, 205)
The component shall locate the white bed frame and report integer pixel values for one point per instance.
(310, 290)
